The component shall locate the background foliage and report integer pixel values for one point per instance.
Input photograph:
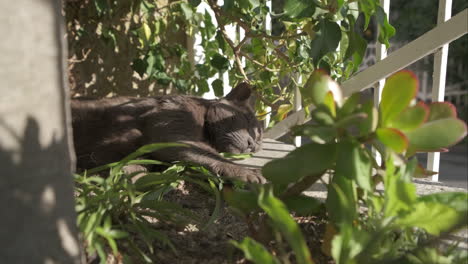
(139, 47)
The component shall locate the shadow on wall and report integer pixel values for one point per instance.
(38, 223)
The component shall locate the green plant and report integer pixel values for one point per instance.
(307, 35)
(116, 214)
(365, 225)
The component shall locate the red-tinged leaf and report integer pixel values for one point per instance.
(411, 118)
(436, 135)
(393, 138)
(317, 87)
(397, 94)
(421, 172)
(330, 103)
(440, 110)
(283, 110)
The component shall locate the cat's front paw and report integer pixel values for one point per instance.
(246, 175)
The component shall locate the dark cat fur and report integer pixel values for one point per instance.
(107, 130)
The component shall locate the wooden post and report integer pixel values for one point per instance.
(38, 222)
(438, 85)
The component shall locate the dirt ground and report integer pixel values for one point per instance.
(211, 245)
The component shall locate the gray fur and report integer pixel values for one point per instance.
(107, 130)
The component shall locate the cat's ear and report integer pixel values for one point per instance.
(241, 93)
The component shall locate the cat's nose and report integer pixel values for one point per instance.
(251, 145)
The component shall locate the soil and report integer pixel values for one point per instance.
(211, 245)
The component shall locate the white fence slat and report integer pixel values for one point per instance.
(438, 85)
(381, 53)
(297, 104)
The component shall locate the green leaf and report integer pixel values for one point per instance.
(367, 7)
(219, 62)
(150, 61)
(217, 209)
(255, 251)
(186, 10)
(303, 205)
(318, 134)
(221, 41)
(205, 71)
(317, 87)
(368, 125)
(101, 6)
(283, 221)
(441, 110)
(386, 31)
(323, 115)
(202, 86)
(242, 200)
(162, 78)
(194, 3)
(327, 37)
(254, 3)
(350, 105)
(341, 201)
(397, 94)
(282, 111)
(306, 160)
(299, 8)
(350, 242)
(329, 102)
(147, 7)
(142, 151)
(437, 134)
(351, 120)
(153, 179)
(433, 217)
(393, 139)
(140, 66)
(432, 255)
(421, 172)
(455, 200)
(117, 234)
(400, 193)
(356, 48)
(354, 163)
(411, 118)
(218, 87)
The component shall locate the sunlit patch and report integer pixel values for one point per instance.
(48, 199)
(69, 244)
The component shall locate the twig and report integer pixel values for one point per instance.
(85, 56)
(234, 48)
(264, 66)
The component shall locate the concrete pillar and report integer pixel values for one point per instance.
(37, 218)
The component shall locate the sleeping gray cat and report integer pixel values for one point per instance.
(107, 130)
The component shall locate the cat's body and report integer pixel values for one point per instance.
(107, 130)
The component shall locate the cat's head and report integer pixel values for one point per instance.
(231, 124)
